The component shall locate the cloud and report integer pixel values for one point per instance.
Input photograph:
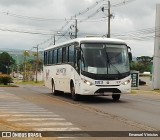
(141, 48)
(76, 6)
(23, 3)
(136, 15)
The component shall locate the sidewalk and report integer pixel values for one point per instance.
(146, 89)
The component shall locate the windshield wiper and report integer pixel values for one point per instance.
(115, 68)
(109, 63)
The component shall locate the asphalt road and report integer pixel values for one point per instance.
(35, 108)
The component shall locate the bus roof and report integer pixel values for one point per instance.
(89, 40)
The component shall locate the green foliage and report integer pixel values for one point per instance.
(144, 63)
(6, 61)
(145, 60)
(26, 54)
(29, 66)
(5, 79)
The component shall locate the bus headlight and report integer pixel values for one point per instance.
(87, 82)
(126, 82)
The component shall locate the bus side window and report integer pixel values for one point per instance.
(67, 53)
(60, 55)
(52, 57)
(64, 55)
(71, 53)
(44, 61)
(55, 56)
(48, 57)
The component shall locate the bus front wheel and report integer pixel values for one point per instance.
(116, 97)
(75, 96)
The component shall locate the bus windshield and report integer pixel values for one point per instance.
(100, 58)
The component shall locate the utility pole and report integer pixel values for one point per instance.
(109, 19)
(76, 30)
(37, 63)
(24, 75)
(17, 75)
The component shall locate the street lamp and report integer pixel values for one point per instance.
(54, 37)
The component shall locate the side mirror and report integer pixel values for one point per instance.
(78, 55)
(129, 53)
(130, 56)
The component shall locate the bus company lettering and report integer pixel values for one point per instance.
(61, 71)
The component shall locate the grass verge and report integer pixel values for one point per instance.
(41, 83)
(10, 85)
(158, 91)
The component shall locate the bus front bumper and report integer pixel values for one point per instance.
(105, 90)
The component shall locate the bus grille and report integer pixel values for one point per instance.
(103, 90)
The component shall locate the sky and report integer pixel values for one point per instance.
(26, 24)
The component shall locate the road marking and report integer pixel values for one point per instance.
(37, 119)
(22, 113)
(46, 124)
(18, 104)
(22, 109)
(26, 112)
(58, 129)
(28, 115)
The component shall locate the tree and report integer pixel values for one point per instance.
(25, 54)
(145, 60)
(6, 62)
(143, 64)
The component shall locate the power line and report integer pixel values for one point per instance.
(122, 3)
(81, 13)
(27, 32)
(33, 18)
(90, 16)
(50, 19)
(29, 29)
(89, 8)
(73, 18)
(142, 34)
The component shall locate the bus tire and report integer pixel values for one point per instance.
(75, 96)
(54, 92)
(116, 97)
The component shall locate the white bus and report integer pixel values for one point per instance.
(88, 66)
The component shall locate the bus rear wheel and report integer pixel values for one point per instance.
(75, 96)
(54, 92)
(116, 97)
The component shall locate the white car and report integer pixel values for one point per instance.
(20, 77)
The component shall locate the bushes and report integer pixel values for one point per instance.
(5, 79)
